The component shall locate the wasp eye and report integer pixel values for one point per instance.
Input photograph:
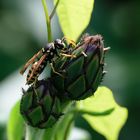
(58, 41)
(59, 44)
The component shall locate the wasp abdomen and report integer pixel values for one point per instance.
(34, 73)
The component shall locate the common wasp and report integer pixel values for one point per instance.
(47, 54)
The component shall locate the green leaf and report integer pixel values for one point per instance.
(107, 125)
(15, 127)
(74, 16)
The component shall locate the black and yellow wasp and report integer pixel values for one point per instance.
(47, 54)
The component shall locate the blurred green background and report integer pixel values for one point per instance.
(23, 33)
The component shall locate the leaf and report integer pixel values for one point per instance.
(108, 125)
(15, 127)
(74, 16)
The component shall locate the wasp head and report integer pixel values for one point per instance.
(59, 44)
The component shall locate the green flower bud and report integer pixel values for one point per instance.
(39, 105)
(83, 74)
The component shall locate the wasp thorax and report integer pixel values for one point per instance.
(83, 74)
(49, 46)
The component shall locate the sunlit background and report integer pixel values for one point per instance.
(23, 33)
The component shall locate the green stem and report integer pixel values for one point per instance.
(33, 133)
(53, 11)
(48, 22)
(68, 128)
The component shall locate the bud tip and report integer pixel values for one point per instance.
(106, 49)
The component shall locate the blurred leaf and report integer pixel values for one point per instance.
(2, 131)
(15, 127)
(10, 64)
(74, 16)
(61, 130)
(108, 125)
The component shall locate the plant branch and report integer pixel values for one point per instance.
(68, 128)
(53, 11)
(47, 20)
(33, 133)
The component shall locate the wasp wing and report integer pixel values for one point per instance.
(32, 60)
(36, 66)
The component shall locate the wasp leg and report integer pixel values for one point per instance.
(68, 55)
(85, 55)
(34, 88)
(36, 81)
(71, 42)
(36, 94)
(51, 64)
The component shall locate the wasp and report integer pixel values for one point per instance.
(47, 54)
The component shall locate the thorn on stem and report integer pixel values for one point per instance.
(106, 49)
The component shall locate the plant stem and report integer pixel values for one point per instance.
(47, 20)
(53, 11)
(68, 128)
(33, 133)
